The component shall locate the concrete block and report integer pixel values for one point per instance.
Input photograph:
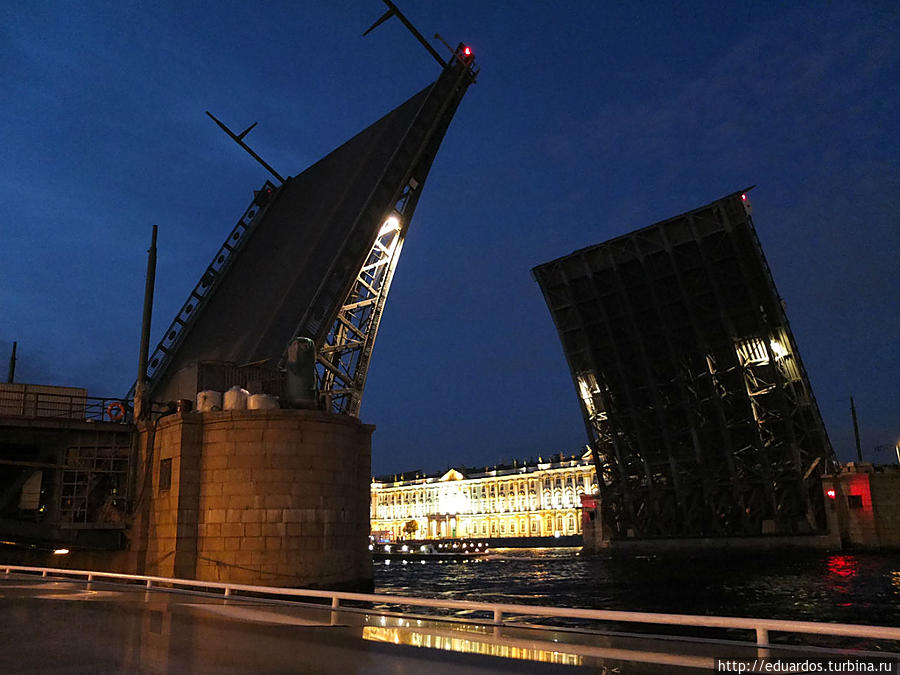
(253, 450)
(241, 501)
(213, 461)
(226, 556)
(286, 447)
(220, 449)
(253, 435)
(233, 543)
(274, 529)
(244, 460)
(213, 502)
(278, 501)
(207, 487)
(243, 487)
(253, 516)
(232, 529)
(212, 544)
(292, 461)
(262, 475)
(253, 544)
(244, 558)
(220, 434)
(236, 475)
(252, 529)
(280, 488)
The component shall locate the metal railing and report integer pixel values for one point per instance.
(33, 404)
(760, 627)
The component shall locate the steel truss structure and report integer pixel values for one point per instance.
(346, 343)
(343, 359)
(314, 260)
(694, 397)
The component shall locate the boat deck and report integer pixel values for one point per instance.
(56, 625)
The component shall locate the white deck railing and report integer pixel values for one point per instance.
(761, 627)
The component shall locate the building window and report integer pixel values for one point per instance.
(854, 501)
(165, 474)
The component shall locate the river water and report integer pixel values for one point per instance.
(814, 586)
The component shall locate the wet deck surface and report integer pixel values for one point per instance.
(59, 626)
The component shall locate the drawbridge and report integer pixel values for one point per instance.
(699, 410)
(312, 257)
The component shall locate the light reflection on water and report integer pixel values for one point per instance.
(814, 586)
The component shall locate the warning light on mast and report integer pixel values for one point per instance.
(465, 54)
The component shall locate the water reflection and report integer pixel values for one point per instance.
(843, 565)
(861, 587)
(841, 570)
(485, 644)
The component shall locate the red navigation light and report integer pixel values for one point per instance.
(464, 53)
(744, 197)
(831, 494)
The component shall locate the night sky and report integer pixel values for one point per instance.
(589, 120)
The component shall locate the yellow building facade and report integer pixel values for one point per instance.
(537, 499)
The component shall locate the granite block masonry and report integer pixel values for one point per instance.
(272, 497)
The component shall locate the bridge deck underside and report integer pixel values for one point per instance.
(255, 308)
(690, 383)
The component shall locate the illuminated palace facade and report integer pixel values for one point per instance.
(529, 500)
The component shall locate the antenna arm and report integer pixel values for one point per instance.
(393, 10)
(387, 15)
(237, 139)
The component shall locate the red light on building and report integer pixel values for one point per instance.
(831, 494)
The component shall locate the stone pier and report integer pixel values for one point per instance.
(273, 497)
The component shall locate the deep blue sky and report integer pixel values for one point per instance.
(589, 120)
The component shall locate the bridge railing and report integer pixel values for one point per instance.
(761, 628)
(34, 402)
